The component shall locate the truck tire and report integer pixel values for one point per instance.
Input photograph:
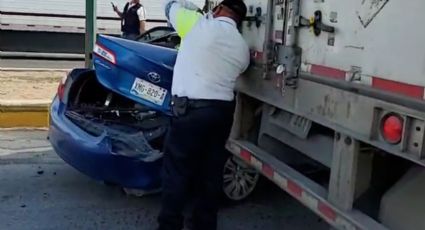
(239, 179)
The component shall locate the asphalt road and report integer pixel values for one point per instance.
(34, 63)
(39, 191)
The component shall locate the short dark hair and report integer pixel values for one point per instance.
(237, 6)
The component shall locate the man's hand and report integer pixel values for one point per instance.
(188, 5)
(116, 10)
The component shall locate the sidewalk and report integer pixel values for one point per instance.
(25, 95)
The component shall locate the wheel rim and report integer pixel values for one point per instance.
(239, 179)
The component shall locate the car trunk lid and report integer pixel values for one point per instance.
(138, 71)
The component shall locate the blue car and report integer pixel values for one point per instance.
(109, 122)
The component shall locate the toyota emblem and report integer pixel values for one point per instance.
(154, 77)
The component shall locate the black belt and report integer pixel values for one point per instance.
(196, 104)
(180, 105)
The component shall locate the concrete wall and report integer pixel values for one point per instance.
(46, 42)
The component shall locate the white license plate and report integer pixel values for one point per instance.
(148, 91)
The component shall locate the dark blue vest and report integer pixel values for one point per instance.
(131, 21)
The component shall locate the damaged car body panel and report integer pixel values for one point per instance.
(114, 152)
(110, 123)
(93, 155)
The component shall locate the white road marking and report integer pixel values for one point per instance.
(6, 152)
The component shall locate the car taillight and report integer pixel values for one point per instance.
(392, 128)
(103, 52)
(61, 88)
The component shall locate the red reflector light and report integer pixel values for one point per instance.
(392, 128)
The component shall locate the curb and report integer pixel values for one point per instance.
(12, 69)
(24, 114)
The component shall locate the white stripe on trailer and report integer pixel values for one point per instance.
(310, 199)
(256, 163)
(344, 224)
(280, 181)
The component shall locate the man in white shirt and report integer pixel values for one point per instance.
(211, 56)
(133, 19)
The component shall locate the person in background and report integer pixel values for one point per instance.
(133, 19)
(212, 55)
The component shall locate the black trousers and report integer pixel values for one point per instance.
(130, 36)
(194, 158)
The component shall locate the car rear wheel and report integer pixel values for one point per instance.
(239, 179)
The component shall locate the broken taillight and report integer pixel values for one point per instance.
(61, 87)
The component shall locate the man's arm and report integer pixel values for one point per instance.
(142, 18)
(246, 60)
(182, 15)
(119, 13)
(142, 26)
